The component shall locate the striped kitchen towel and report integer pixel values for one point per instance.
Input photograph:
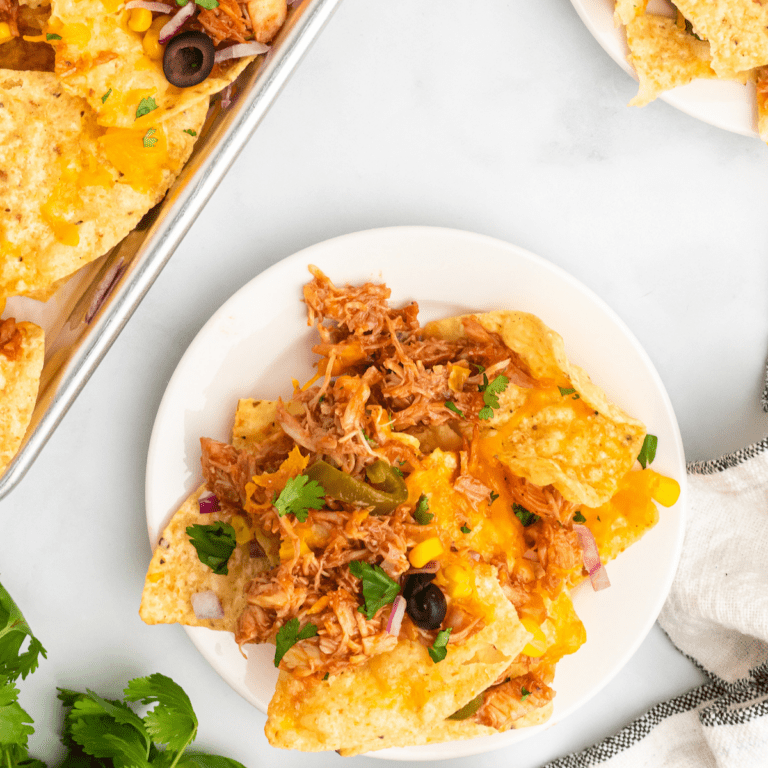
(717, 615)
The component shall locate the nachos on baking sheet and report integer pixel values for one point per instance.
(406, 528)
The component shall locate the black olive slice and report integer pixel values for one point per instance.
(188, 58)
(427, 607)
(415, 582)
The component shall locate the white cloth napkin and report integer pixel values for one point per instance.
(717, 615)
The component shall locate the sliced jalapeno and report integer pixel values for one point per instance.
(391, 490)
(468, 709)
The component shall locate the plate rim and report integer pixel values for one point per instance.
(484, 744)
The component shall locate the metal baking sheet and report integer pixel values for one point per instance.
(84, 317)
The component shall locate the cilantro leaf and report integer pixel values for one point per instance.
(465, 529)
(201, 760)
(524, 516)
(190, 132)
(491, 391)
(14, 630)
(566, 391)
(525, 693)
(150, 139)
(209, 5)
(493, 498)
(648, 451)
(421, 514)
(214, 544)
(52, 36)
(299, 495)
(451, 406)
(106, 96)
(146, 106)
(378, 588)
(290, 634)
(579, 518)
(15, 723)
(172, 721)
(439, 649)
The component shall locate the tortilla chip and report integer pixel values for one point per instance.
(255, 421)
(581, 446)
(34, 54)
(65, 180)
(98, 54)
(626, 10)
(398, 695)
(175, 574)
(19, 382)
(737, 31)
(664, 56)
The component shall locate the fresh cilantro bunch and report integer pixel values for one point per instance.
(15, 723)
(98, 733)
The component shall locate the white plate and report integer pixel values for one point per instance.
(722, 103)
(259, 339)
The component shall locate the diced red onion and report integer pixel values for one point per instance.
(591, 557)
(207, 605)
(173, 25)
(226, 96)
(150, 6)
(531, 555)
(396, 616)
(104, 288)
(238, 50)
(208, 504)
(433, 566)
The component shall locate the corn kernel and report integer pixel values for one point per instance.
(243, 533)
(151, 41)
(140, 19)
(538, 644)
(5, 32)
(459, 581)
(428, 550)
(666, 491)
(287, 549)
(458, 375)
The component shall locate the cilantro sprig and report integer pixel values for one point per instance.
(491, 391)
(214, 544)
(524, 516)
(146, 106)
(290, 634)
(299, 495)
(648, 451)
(378, 588)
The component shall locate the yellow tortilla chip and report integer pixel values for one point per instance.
(626, 10)
(70, 189)
(19, 382)
(255, 420)
(737, 31)
(664, 56)
(396, 697)
(99, 54)
(580, 443)
(175, 574)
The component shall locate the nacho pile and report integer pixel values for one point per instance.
(406, 527)
(726, 40)
(95, 127)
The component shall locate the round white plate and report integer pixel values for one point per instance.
(259, 339)
(722, 103)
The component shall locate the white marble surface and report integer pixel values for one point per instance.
(500, 117)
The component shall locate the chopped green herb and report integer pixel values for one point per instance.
(214, 544)
(566, 391)
(451, 406)
(370, 440)
(579, 518)
(209, 5)
(439, 649)
(480, 368)
(464, 529)
(378, 588)
(150, 139)
(526, 693)
(491, 390)
(494, 496)
(524, 516)
(299, 495)
(106, 96)
(194, 133)
(648, 451)
(327, 675)
(598, 517)
(421, 514)
(146, 106)
(290, 634)
(51, 36)
(398, 472)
